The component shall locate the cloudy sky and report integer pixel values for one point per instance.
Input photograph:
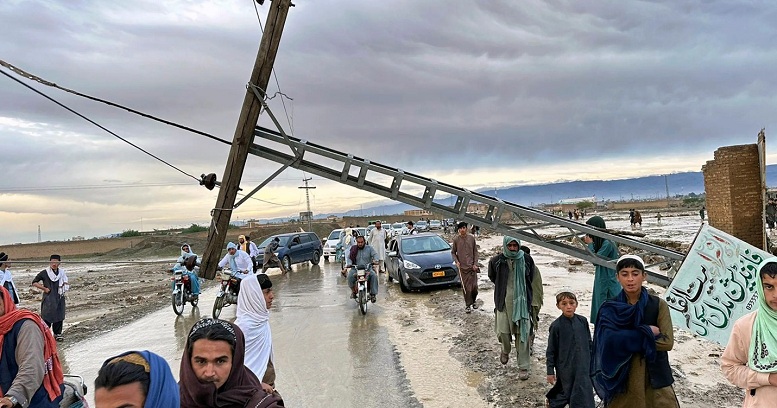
(473, 93)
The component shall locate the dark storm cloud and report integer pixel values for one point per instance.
(421, 85)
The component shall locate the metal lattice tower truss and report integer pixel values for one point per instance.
(527, 224)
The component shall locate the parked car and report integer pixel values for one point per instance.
(294, 248)
(421, 226)
(421, 261)
(330, 244)
(397, 228)
(435, 224)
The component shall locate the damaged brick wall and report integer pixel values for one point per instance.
(732, 182)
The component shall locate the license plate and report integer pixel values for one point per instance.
(438, 274)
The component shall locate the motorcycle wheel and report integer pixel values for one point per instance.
(178, 303)
(195, 300)
(217, 305)
(363, 301)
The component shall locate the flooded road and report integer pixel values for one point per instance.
(326, 353)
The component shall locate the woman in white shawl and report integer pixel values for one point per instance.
(253, 318)
(6, 280)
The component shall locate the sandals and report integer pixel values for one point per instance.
(504, 358)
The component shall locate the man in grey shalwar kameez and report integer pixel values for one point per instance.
(465, 255)
(53, 282)
(512, 271)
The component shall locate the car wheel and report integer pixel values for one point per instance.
(286, 263)
(402, 285)
(316, 258)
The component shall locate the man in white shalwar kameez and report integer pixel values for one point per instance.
(253, 318)
(377, 240)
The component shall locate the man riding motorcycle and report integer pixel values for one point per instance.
(239, 262)
(186, 253)
(362, 254)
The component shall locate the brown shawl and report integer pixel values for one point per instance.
(242, 388)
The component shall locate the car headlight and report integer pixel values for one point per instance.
(410, 265)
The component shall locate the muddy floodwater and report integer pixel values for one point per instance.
(327, 353)
(411, 349)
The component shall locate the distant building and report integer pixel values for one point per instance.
(570, 204)
(477, 208)
(417, 213)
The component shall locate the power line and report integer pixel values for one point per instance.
(98, 125)
(40, 80)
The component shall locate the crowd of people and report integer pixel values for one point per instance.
(224, 364)
(625, 361)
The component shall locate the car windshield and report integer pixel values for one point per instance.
(397, 225)
(334, 234)
(434, 222)
(421, 223)
(423, 244)
(283, 242)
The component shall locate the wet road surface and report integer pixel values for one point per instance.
(326, 353)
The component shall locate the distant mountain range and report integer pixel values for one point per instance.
(640, 188)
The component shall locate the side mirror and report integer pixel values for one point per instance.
(392, 253)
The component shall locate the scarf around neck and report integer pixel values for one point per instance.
(762, 354)
(60, 277)
(53, 376)
(618, 335)
(241, 387)
(520, 312)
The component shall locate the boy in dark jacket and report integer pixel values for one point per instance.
(568, 357)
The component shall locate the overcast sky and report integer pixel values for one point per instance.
(473, 93)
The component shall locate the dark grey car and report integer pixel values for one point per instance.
(421, 261)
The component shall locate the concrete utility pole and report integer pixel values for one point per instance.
(244, 136)
(307, 196)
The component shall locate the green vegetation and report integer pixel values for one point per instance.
(194, 228)
(130, 233)
(693, 200)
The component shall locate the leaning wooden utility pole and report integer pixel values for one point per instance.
(244, 136)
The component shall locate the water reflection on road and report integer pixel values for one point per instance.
(327, 354)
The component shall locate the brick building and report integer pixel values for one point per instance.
(734, 186)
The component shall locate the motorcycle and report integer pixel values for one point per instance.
(362, 287)
(74, 393)
(182, 287)
(227, 292)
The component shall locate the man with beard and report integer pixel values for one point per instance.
(512, 272)
(362, 254)
(465, 254)
(377, 240)
(213, 373)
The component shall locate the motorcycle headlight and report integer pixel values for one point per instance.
(410, 265)
(276, 254)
